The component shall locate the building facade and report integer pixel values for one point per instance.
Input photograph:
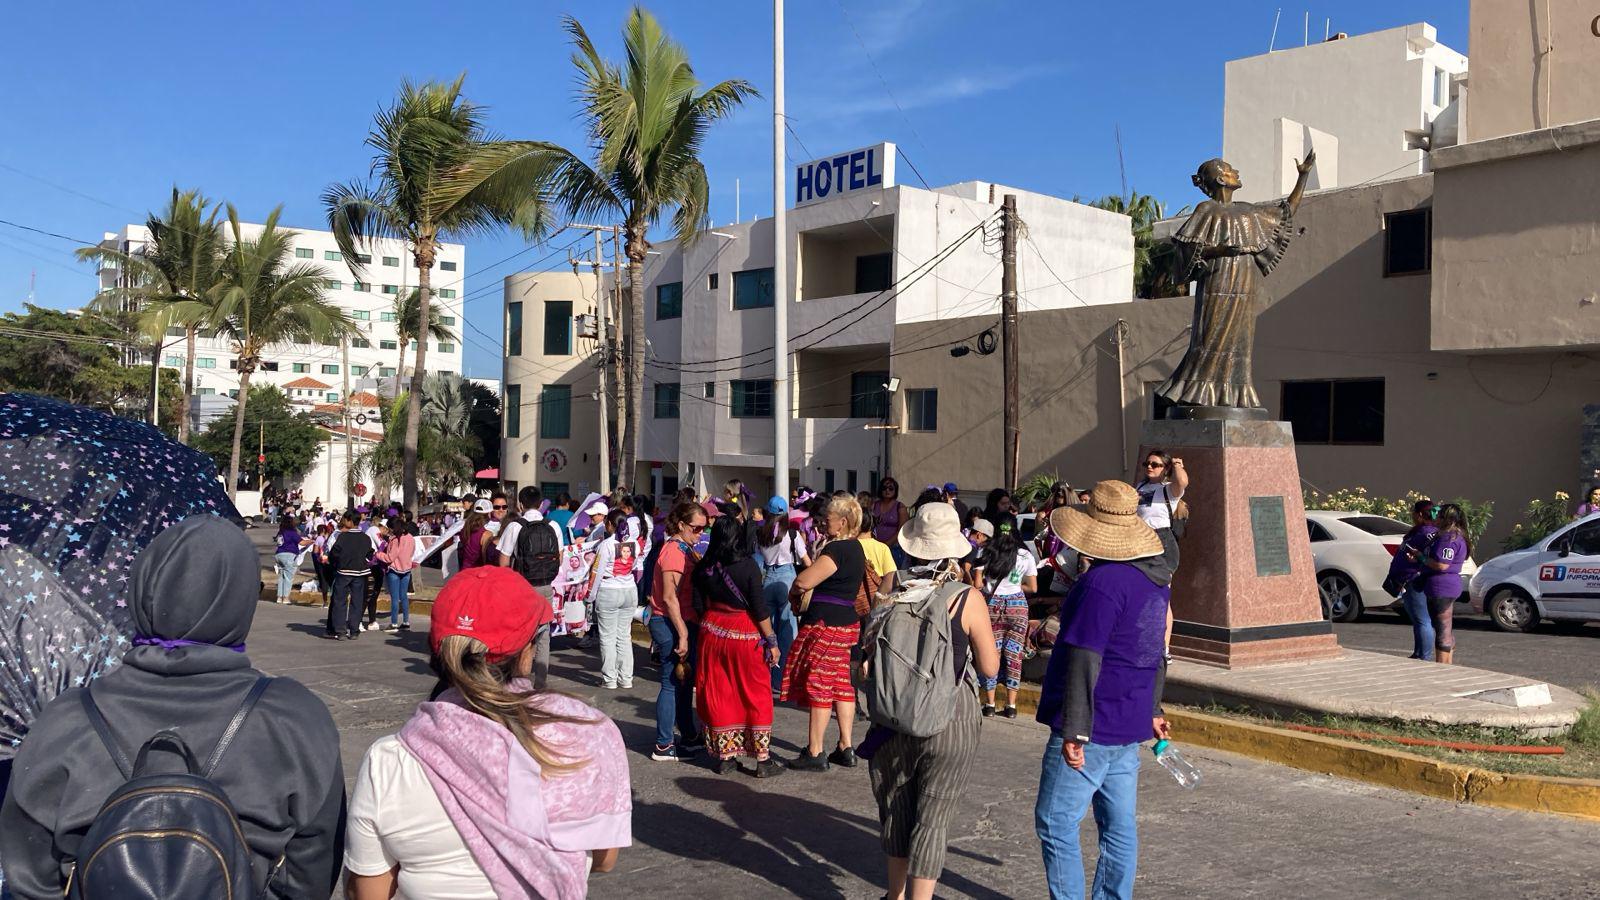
(549, 408)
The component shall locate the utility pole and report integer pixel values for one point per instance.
(601, 338)
(349, 441)
(1008, 337)
(780, 270)
(1121, 333)
(622, 375)
(261, 456)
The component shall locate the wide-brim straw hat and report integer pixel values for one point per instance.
(1109, 528)
(934, 532)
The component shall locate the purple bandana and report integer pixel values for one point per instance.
(166, 644)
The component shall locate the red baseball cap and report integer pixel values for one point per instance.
(492, 604)
(711, 509)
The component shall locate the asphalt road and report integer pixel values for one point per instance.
(1563, 654)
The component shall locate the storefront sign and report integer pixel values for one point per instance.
(1269, 530)
(846, 173)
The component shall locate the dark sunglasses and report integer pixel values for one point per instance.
(1154, 464)
(697, 528)
(499, 506)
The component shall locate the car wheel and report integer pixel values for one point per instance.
(1512, 610)
(1341, 600)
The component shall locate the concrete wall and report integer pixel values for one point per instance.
(533, 369)
(1536, 64)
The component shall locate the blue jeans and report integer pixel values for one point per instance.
(286, 567)
(1109, 780)
(775, 590)
(1422, 634)
(399, 584)
(675, 702)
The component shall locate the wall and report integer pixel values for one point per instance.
(1536, 64)
(523, 460)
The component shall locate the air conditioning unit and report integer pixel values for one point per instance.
(586, 326)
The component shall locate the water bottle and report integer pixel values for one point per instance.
(1179, 768)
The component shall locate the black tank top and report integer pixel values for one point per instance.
(960, 645)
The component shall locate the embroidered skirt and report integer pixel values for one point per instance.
(734, 686)
(818, 670)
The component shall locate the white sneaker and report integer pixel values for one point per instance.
(627, 685)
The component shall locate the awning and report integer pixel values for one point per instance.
(488, 474)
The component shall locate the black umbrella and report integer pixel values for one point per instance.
(81, 493)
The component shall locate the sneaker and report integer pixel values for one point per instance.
(608, 685)
(335, 637)
(843, 756)
(724, 766)
(280, 600)
(769, 768)
(627, 685)
(805, 762)
(405, 626)
(988, 711)
(668, 753)
(352, 635)
(388, 626)
(691, 746)
(1010, 712)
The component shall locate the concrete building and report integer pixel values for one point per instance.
(313, 374)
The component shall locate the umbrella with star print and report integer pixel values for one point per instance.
(81, 493)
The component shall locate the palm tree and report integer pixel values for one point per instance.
(1152, 259)
(264, 298)
(646, 121)
(181, 263)
(430, 186)
(408, 319)
(444, 446)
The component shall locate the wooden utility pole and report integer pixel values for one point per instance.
(621, 375)
(1008, 337)
(602, 302)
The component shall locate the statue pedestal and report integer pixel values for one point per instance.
(1246, 590)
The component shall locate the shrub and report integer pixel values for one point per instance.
(1358, 500)
(1539, 519)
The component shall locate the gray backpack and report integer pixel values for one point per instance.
(910, 683)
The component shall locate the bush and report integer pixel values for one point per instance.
(1358, 500)
(1540, 518)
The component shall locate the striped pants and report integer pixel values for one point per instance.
(918, 784)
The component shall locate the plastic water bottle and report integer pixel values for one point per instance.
(1181, 770)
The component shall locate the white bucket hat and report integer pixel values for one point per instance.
(934, 532)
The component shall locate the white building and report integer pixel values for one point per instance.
(861, 249)
(315, 374)
(1370, 105)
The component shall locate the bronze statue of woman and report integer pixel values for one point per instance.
(1222, 246)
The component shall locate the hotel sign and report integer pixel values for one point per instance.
(846, 173)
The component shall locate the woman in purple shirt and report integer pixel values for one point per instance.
(287, 555)
(1441, 576)
(1404, 570)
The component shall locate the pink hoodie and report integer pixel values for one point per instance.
(530, 834)
(397, 553)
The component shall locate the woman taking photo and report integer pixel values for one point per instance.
(783, 553)
(738, 652)
(889, 514)
(614, 589)
(1441, 578)
(493, 788)
(817, 676)
(1161, 488)
(1010, 573)
(918, 782)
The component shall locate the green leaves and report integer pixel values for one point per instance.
(291, 438)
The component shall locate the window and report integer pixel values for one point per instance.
(447, 266)
(558, 328)
(174, 361)
(411, 346)
(850, 480)
(669, 300)
(1335, 412)
(386, 317)
(513, 410)
(388, 345)
(360, 315)
(446, 347)
(332, 284)
(391, 260)
(827, 480)
(711, 282)
(234, 393)
(1441, 87)
(1317, 532)
(333, 396)
(666, 401)
(303, 253)
(359, 371)
(872, 272)
(364, 287)
(364, 258)
(869, 395)
(447, 372)
(1583, 540)
(205, 362)
(1407, 242)
(330, 368)
(386, 371)
(301, 367)
(392, 290)
(752, 399)
(205, 392)
(332, 256)
(711, 390)
(361, 343)
(269, 366)
(175, 331)
(447, 293)
(448, 320)
(555, 411)
(752, 289)
(514, 330)
(922, 409)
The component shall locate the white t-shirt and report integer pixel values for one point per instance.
(1153, 501)
(786, 552)
(512, 529)
(1011, 585)
(618, 562)
(392, 788)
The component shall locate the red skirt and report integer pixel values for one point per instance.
(818, 672)
(734, 686)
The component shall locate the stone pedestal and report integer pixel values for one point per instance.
(1246, 590)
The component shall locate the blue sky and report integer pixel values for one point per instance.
(260, 104)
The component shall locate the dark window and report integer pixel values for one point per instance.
(555, 488)
(850, 480)
(558, 328)
(827, 480)
(1335, 412)
(1317, 532)
(555, 411)
(447, 266)
(669, 300)
(1378, 525)
(269, 367)
(514, 330)
(1584, 540)
(1407, 242)
(666, 401)
(711, 389)
(872, 272)
(922, 410)
(869, 395)
(752, 289)
(752, 399)
(513, 410)
(711, 282)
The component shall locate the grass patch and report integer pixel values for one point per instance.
(1582, 743)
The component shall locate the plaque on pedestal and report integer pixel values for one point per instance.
(1246, 589)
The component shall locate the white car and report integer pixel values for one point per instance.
(1557, 578)
(1352, 552)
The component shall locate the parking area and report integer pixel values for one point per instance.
(1567, 654)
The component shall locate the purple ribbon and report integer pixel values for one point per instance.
(166, 644)
(836, 601)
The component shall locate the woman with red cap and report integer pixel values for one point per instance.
(493, 788)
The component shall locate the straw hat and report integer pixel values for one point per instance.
(934, 532)
(1111, 528)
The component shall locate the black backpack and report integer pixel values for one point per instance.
(166, 836)
(538, 554)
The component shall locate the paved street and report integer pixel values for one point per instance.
(1251, 830)
(1563, 654)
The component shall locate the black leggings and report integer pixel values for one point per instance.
(1441, 613)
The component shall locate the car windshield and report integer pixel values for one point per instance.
(1378, 525)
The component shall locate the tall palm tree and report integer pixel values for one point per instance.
(265, 298)
(1152, 258)
(646, 121)
(407, 309)
(428, 186)
(181, 263)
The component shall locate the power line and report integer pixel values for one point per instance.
(45, 233)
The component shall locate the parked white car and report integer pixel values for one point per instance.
(1352, 552)
(1558, 578)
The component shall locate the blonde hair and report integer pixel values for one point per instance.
(846, 508)
(485, 687)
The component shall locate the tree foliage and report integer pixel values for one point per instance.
(1154, 262)
(291, 438)
(79, 358)
(485, 425)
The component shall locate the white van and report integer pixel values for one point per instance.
(1558, 578)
